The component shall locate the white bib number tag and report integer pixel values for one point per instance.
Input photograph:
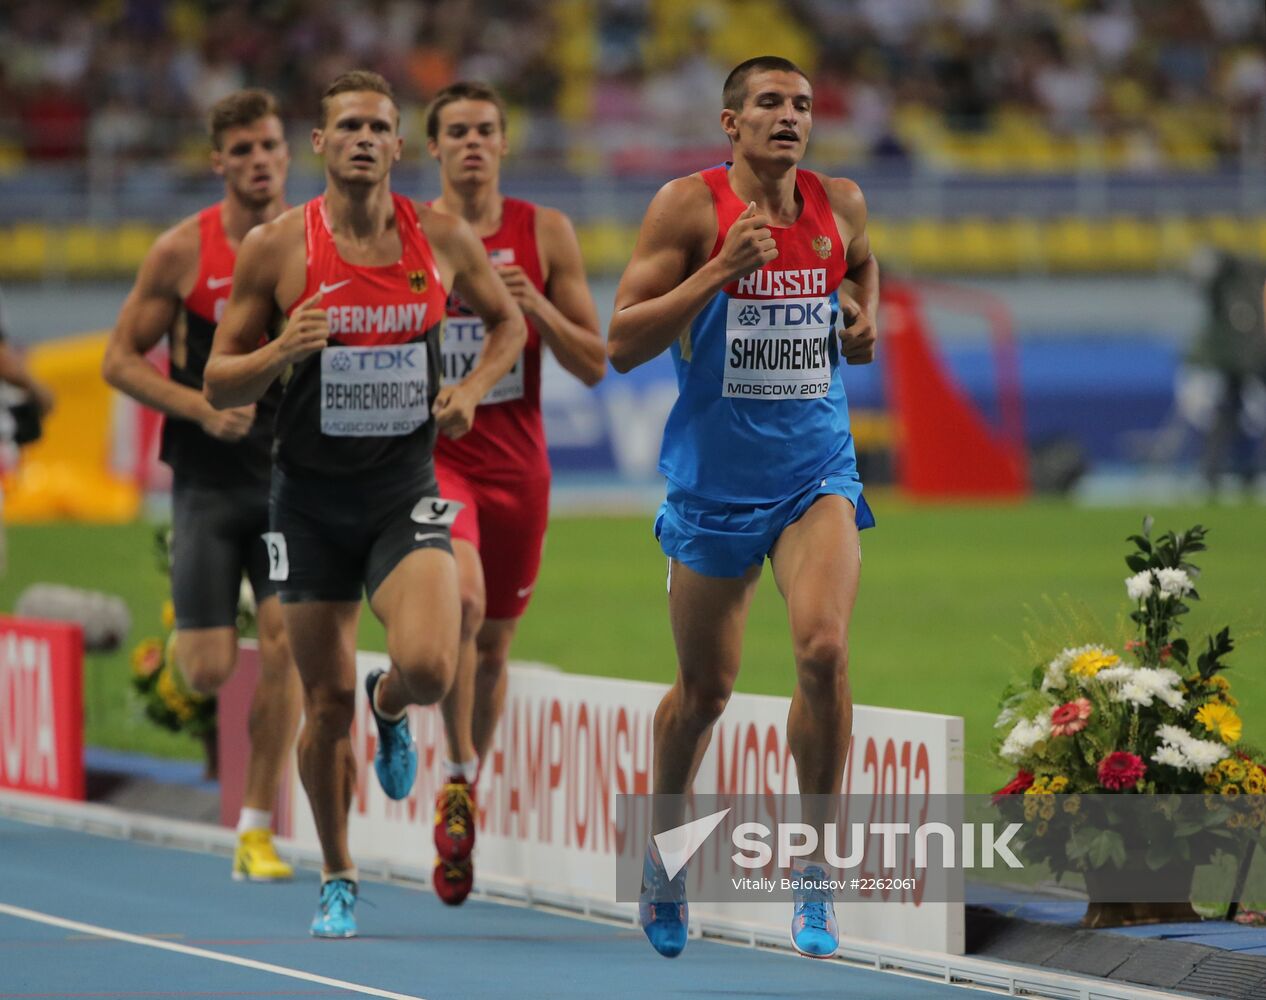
(436, 510)
(777, 349)
(278, 560)
(460, 347)
(374, 391)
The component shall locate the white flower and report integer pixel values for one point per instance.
(1197, 755)
(1203, 754)
(1136, 692)
(1171, 756)
(1057, 670)
(1139, 586)
(1174, 582)
(1114, 675)
(1005, 717)
(1025, 735)
(1141, 685)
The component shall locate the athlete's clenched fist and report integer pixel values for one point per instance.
(749, 245)
(307, 332)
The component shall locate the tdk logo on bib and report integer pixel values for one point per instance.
(777, 349)
(378, 359)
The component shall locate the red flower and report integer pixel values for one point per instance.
(1120, 770)
(1070, 717)
(1132, 644)
(1015, 786)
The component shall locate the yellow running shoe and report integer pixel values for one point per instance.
(256, 858)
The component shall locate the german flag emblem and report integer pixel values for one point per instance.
(417, 282)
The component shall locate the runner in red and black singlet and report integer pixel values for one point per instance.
(363, 276)
(220, 461)
(500, 470)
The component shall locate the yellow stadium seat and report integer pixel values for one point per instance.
(1259, 236)
(26, 251)
(1178, 237)
(1226, 232)
(83, 250)
(1134, 243)
(1073, 244)
(130, 243)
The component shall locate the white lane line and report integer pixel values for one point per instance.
(184, 949)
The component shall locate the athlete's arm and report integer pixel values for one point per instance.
(240, 370)
(505, 333)
(565, 315)
(859, 299)
(148, 314)
(658, 295)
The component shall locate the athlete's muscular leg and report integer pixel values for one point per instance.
(206, 656)
(817, 566)
(459, 704)
(275, 708)
(491, 677)
(708, 615)
(323, 640)
(420, 608)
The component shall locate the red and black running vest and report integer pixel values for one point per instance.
(508, 438)
(364, 402)
(192, 453)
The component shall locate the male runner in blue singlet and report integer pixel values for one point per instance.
(739, 270)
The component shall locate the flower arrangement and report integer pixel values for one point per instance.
(165, 696)
(1092, 720)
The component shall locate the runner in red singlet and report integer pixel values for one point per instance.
(500, 470)
(220, 460)
(363, 275)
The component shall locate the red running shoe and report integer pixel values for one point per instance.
(453, 880)
(455, 821)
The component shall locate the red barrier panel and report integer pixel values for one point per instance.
(41, 707)
(946, 448)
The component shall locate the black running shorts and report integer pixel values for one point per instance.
(328, 538)
(217, 534)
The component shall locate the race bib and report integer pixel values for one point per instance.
(460, 347)
(777, 349)
(436, 510)
(374, 391)
(278, 558)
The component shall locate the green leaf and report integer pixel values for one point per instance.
(1141, 542)
(1137, 563)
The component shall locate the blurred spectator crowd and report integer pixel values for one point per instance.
(634, 85)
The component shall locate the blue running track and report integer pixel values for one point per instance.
(83, 916)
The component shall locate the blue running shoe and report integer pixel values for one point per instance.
(336, 917)
(662, 908)
(814, 932)
(396, 760)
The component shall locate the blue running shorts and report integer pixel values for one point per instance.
(723, 538)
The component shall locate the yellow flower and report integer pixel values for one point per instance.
(1047, 810)
(1213, 777)
(1231, 791)
(1255, 782)
(1093, 660)
(147, 657)
(1222, 721)
(1057, 784)
(1235, 821)
(1234, 770)
(1072, 804)
(1030, 810)
(1041, 829)
(169, 615)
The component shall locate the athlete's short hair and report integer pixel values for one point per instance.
(354, 81)
(242, 107)
(463, 90)
(734, 93)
